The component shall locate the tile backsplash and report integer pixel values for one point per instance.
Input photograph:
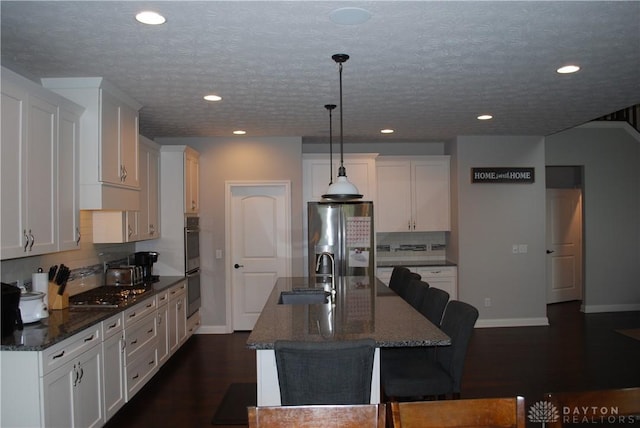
(411, 246)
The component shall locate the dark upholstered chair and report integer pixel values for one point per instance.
(477, 413)
(433, 304)
(404, 288)
(343, 416)
(399, 278)
(421, 377)
(596, 405)
(416, 292)
(324, 372)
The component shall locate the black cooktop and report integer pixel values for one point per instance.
(108, 296)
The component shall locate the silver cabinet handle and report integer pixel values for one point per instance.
(33, 240)
(130, 231)
(78, 236)
(26, 240)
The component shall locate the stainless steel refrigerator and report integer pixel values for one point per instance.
(345, 231)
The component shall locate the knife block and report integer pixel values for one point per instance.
(57, 301)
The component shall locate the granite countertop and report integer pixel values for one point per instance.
(412, 263)
(64, 323)
(364, 308)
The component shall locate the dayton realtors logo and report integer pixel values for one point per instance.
(545, 412)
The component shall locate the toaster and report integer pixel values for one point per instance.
(123, 275)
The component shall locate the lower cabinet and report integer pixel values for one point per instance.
(73, 393)
(84, 380)
(442, 277)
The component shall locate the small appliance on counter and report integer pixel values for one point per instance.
(11, 317)
(124, 275)
(146, 259)
(33, 307)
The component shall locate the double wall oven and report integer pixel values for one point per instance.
(192, 263)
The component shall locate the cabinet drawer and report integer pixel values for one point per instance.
(193, 323)
(436, 271)
(177, 290)
(162, 298)
(139, 335)
(112, 326)
(139, 311)
(62, 352)
(140, 371)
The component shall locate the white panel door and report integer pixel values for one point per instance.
(259, 222)
(564, 245)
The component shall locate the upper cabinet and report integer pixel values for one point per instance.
(316, 170)
(39, 150)
(191, 181)
(413, 194)
(109, 174)
(111, 226)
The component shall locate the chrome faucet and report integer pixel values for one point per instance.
(332, 275)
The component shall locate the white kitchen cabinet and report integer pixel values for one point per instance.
(193, 323)
(149, 214)
(192, 181)
(162, 322)
(113, 365)
(115, 226)
(177, 316)
(35, 220)
(413, 194)
(360, 168)
(72, 393)
(109, 177)
(141, 341)
(442, 277)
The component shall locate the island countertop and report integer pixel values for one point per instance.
(364, 308)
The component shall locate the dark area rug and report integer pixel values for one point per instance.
(233, 407)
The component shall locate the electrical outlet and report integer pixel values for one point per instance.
(487, 302)
(523, 248)
(218, 254)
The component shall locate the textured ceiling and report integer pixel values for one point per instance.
(423, 68)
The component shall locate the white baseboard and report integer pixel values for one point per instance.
(512, 322)
(212, 329)
(592, 309)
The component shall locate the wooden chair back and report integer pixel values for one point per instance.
(324, 416)
(616, 406)
(478, 413)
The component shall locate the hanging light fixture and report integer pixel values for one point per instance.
(330, 107)
(342, 189)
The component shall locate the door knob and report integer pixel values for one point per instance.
(237, 266)
(550, 251)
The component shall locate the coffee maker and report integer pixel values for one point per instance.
(146, 259)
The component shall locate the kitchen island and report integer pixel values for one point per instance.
(364, 308)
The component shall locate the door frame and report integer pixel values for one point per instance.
(228, 193)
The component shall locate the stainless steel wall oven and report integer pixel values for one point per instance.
(192, 263)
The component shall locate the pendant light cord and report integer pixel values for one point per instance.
(341, 170)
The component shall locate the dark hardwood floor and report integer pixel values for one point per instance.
(577, 351)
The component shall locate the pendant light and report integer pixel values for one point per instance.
(342, 189)
(330, 107)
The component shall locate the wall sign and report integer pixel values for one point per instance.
(502, 175)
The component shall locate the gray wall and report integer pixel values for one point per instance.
(610, 155)
(488, 219)
(247, 159)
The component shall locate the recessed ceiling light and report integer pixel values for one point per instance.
(213, 97)
(485, 117)
(150, 18)
(239, 132)
(350, 16)
(568, 69)
(386, 131)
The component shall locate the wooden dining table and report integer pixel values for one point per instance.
(363, 307)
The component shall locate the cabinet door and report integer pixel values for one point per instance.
(317, 174)
(162, 321)
(431, 194)
(394, 196)
(13, 224)
(57, 388)
(177, 321)
(68, 181)
(129, 146)
(192, 184)
(110, 167)
(41, 175)
(88, 390)
(113, 369)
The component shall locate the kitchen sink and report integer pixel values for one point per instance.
(304, 296)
